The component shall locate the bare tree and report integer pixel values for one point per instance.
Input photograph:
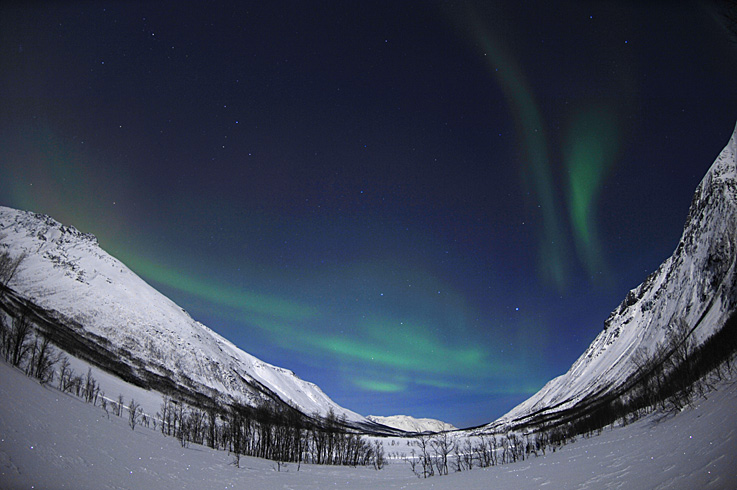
(65, 373)
(235, 424)
(134, 410)
(4, 337)
(180, 423)
(680, 344)
(166, 416)
(103, 403)
(378, 452)
(90, 388)
(485, 451)
(184, 434)
(443, 445)
(75, 385)
(423, 443)
(43, 360)
(211, 426)
(412, 460)
(9, 266)
(118, 407)
(467, 453)
(18, 346)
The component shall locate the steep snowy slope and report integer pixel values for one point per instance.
(109, 315)
(696, 285)
(411, 424)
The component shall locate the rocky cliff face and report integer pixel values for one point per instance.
(695, 286)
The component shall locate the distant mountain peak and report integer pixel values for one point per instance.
(411, 424)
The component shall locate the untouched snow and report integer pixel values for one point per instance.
(411, 424)
(49, 440)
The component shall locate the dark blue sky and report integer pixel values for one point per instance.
(426, 208)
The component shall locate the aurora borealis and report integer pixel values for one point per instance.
(425, 208)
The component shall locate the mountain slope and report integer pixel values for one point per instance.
(695, 286)
(94, 306)
(410, 424)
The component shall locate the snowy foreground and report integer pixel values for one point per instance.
(50, 440)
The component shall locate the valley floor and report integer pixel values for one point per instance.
(49, 440)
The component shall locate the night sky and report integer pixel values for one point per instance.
(425, 208)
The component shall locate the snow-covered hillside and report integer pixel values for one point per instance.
(101, 304)
(696, 285)
(411, 424)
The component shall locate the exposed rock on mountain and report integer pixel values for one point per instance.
(695, 289)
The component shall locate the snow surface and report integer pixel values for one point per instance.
(50, 440)
(411, 424)
(697, 284)
(66, 271)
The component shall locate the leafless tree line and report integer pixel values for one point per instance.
(21, 346)
(268, 431)
(672, 377)
(441, 453)
(669, 379)
(282, 435)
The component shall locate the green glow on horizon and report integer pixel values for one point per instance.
(417, 354)
(592, 143)
(244, 301)
(378, 386)
(291, 325)
(411, 348)
(443, 385)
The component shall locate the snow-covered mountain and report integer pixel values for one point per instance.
(410, 424)
(101, 311)
(696, 285)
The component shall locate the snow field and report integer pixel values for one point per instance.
(50, 440)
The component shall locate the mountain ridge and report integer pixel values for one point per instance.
(69, 283)
(697, 285)
(408, 423)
